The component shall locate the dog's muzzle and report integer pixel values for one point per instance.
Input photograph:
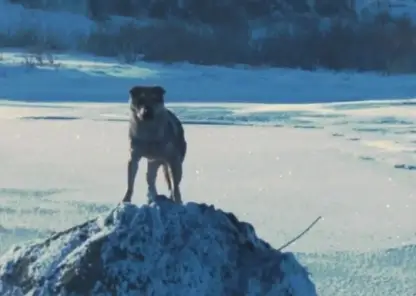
(145, 113)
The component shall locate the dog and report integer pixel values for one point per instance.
(157, 134)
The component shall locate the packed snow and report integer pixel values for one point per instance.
(161, 249)
(64, 151)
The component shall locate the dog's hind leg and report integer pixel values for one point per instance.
(152, 168)
(175, 169)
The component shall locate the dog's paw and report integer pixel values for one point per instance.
(151, 197)
(126, 200)
(176, 199)
(127, 197)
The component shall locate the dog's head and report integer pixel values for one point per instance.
(147, 101)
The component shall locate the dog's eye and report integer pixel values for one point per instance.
(156, 98)
(138, 101)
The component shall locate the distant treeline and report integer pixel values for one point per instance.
(216, 33)
(206, 11)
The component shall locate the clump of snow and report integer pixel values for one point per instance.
(160, 249)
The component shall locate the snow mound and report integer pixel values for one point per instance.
(158, 249)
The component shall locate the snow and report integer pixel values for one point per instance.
(154, 250)
(76, 77)
(64, 148)
(14, 18)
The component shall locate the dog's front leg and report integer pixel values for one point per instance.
(152, 168)
(132, 168)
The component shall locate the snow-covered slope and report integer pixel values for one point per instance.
(161, 249)
(85, 78)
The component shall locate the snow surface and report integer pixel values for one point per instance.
(353, 163)
(161, 249)
(86, 78)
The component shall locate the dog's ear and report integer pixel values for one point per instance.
(159, 92)
(135, 91)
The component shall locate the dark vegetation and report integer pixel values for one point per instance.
(329, 35)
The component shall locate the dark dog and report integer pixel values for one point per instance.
(156, 134)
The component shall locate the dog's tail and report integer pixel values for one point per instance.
(168, 176)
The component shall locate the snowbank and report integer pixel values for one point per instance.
(154, 250)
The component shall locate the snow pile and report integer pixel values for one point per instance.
(161, 249)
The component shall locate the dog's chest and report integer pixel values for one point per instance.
(155, 150)
(152, 141)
